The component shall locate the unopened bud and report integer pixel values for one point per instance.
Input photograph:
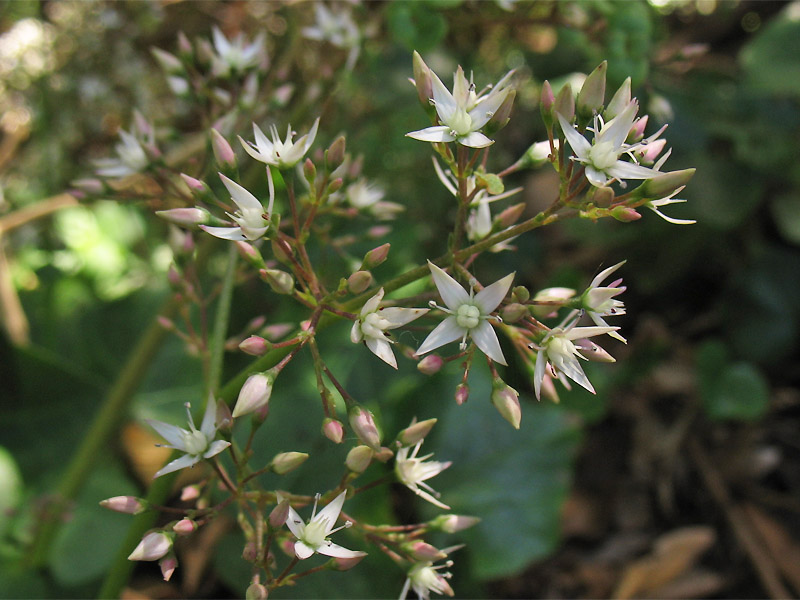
(168, 564)
(333, 430)
(281, 251)
(520, 293)
(430, 364)
(384, 454)
(422, 81)
(416, 432)
(549, 390)
(224, 419)
(591, 351)
(129, 505)
(502, 116)
(648, 154)
(565, 103)
(256, 591)
(194, 184)
(550, 300)
(189, 493)
(281, 282)
(254, 394)
(358, 459)
(335, 185)
(546, 103)
(637, 129)
(334, 156)
(592, 95)
(153, 546)
(511, 313)
(506, 401)
(603, 196)
(250, 552)
(226, 158)
(309, 171)
(453, 523)
(375, 256)
(169, 62)
(184, 45)
(255, 346)
(287, 461)
(423, 551)
(462, 393)
(185, 217)
(359, 281)
(250, 253)
(345, 564)
(279, 514)
(625, 214)
(184, 527)
(618, 102)
(510, 215)
(363, 424)
(90, 186)
(663, 185)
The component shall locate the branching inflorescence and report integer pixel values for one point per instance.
(598, 150)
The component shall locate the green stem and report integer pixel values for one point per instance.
(221, 323)
(96, 439)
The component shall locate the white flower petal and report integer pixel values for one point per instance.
(331, 512)
(437, 133)
(485, 110)
(430, 498)
(595, 177)
(490, 297)
(383, 350)
(215, 448)
(577, 333)
(617, 129)
(401, 316)
(263, 143)
(295, 523)
(372, 304)
(538, 376)
(310, 136)
(355, 332)
(475, 139)
(579, 144)
(171, 433)
(248, 147)
(331, 549)
(243, 199)
(444, 101)
(453, 295)
(187, 460)
(626, 170)
(225, 233)
(485, 338)
(302, 550)
(208, 426)
(445, 332)
(605, 273)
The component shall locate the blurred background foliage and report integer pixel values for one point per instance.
(701, 407)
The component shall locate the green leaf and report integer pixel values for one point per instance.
(770, 61)
(493, 184)
(86, 546)
(515, 481)
(786, 213)
(741, 394)
(10, 488)
(415, 25)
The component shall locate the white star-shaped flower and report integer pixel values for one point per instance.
(282, 154)
(463, 113)
(558, 351)
(373, 321)
(197, 444)
(250, 217)
(424, 578)
(413, 471)
(601, 156)
(468, 315)
(236, 54)
(313, 536)
(654, 205)
(600, 301)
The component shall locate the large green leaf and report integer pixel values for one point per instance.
(772, 60)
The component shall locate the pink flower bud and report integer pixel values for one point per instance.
(511, 313)
(592, 351)
(250, 254)
(335, 185)
(279, 514)
(506, 401)
(423, 551)
(185, 217)
(376, 256)
(153, 546)
(549, 390)
(422, 80)
(416, 432)
(184, 527)
(334, 156)
(511, 215)
(565, 103)
(193, 184)
(363, 424)
(168, 565)
(255, 346)
(625, 214)
(431, 364)
(254, 394)
(453, 523)
(378, 231)
(124, 504)
(649, 153)
(547, 98)
(358, 459)
(250, 552)
(168, 62)
(462, 393)
(189, 493)
(345, 564)
(384, 454)
(184, 45)
(222, 150)
(333, 430)
(276, 331)
(287, 461)
(637, 130)
(359, 281)
(256, 591)
(90, 186)
(603, 196)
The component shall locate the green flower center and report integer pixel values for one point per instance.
(468, 316)
(195, 442)
(314, 534)
(602, 155)
(460, 122)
